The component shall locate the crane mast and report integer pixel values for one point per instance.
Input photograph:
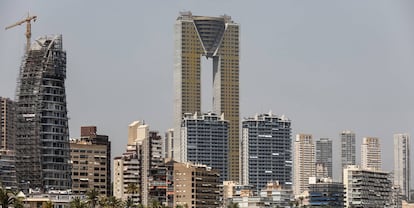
(28, 33)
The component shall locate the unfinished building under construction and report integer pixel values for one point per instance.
(42, 144)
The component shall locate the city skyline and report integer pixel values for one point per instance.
(299, 54)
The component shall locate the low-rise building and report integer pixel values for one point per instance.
(325, 193)
(366, 188)
(273, 195)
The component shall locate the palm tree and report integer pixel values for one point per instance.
(113, 202)
(47, 204)
(155, 204)
(18, 203)
(132, 188)
(129, 203)
(102, 201)
(233, 205)
(6, 198)
(77, 203)
(92, 197)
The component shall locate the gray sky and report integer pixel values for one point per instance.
(327, 65)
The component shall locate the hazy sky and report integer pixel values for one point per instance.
(327, 65)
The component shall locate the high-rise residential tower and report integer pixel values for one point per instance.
(7, 124)
(42, 143)
(371, 153)
(303, 163)
(324, 154)
(348, 151)
(266, 151)
(215, 38)
(205, 141)
(402, 168)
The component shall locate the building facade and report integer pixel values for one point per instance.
(266, 150)
(42, 139)
(169, 144)
(366, 188)
(91, 162)
(205, 141)
(371, 153)
(216, 38)
(7, 143)
(7, 124)
(132, 169)
(325, 193)
(303, 163)
(196, 186)
(348, 151)
(323, 154)
(402, 169)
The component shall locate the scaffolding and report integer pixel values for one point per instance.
(42, 144)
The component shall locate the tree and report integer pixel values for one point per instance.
(92, 197)
(113, 202)
(77, 203)
(155, 204)
(47, 204)
(233, 205)
(132, 188)
(6, 198)
(129, 203)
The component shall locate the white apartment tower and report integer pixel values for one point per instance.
(371, 153)
(303, 163)
(402, 164)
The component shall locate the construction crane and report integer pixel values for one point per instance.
(28, 34)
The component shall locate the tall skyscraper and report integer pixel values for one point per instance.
(348, 151)
(324, 154)
(371, 153)
(402, 168)
(42, 144)
(303, 163)
(266, 150)
(216, 38)
(91, 162)
(7, 124)
(7, 143)
(205, 141)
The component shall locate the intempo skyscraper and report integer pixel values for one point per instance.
(217, 39)
(42, 143)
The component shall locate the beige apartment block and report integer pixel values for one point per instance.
(371, 153)
(90, 157)
(304, 162)
(196, 185)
